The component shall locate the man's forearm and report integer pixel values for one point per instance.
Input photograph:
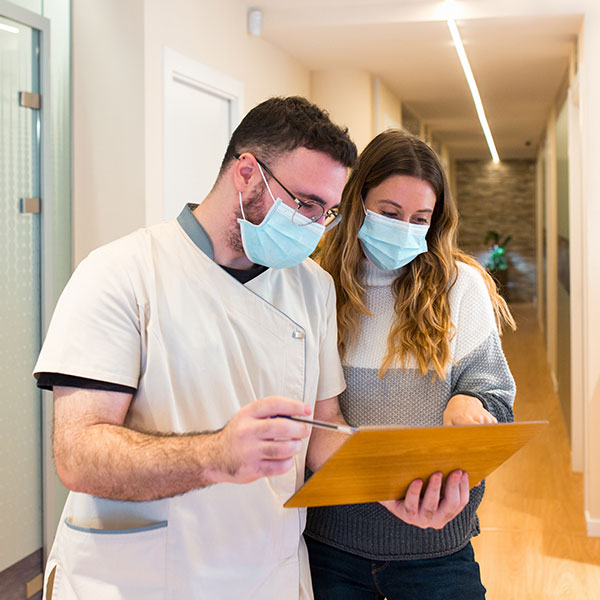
(96, 454)
(112, 461)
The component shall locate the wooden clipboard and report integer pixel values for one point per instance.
(378, 463)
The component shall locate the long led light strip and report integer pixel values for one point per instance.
(464, 61)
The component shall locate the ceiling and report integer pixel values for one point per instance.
(520, 63)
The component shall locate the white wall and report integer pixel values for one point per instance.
(590, 71)
(348, 96)
(108, 121)
(358, 100)
(386, 106)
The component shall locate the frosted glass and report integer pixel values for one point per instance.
(20, 410)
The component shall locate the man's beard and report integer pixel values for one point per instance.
(255, 210)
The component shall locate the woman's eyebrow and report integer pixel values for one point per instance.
(393, 203)
(386, 201)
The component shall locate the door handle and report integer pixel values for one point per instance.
(30, 205)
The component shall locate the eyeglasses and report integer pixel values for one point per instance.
(306, 208)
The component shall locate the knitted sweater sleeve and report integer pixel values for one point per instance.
(480, 368)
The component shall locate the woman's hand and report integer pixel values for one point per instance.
(467, 410)
(433, 510)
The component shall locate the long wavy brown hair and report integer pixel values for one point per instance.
(422, 328)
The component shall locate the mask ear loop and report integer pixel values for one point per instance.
(363, 205)
(265, 180)
(242, 206)
(268, 189)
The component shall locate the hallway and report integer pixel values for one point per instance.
(533, 543)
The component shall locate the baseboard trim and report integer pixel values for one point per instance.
(554, 381)
(593, 525)
(14, 579)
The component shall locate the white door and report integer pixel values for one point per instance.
(202, 108)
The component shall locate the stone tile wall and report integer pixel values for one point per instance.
(500, 197)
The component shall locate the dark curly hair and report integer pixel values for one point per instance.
(280, 125)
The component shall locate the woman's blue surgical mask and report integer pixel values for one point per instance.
(279, 242)
(389, 243)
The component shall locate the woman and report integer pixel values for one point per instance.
(418, 331)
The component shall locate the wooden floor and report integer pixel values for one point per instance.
(533, 543)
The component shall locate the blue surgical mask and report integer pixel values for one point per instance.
(389, 243)
(279, 242)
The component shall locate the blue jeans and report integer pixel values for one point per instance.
(339, 575)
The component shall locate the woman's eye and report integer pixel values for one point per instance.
(390, 215)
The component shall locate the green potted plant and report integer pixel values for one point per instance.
(496, 262)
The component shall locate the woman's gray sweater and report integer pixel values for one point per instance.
(405, 397)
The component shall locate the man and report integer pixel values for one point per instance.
(169, 353)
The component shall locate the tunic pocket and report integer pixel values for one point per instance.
(112, 564)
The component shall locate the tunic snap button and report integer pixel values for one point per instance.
(298, 335)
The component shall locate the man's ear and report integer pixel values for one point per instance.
(245, 171)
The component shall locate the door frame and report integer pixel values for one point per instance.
(42, 24)
(577, 280)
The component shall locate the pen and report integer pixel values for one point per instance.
(323, 424)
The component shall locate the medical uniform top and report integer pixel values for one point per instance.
(153, 311)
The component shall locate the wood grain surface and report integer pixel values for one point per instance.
(378, 463)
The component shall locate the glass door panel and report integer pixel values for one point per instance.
(20, 410)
